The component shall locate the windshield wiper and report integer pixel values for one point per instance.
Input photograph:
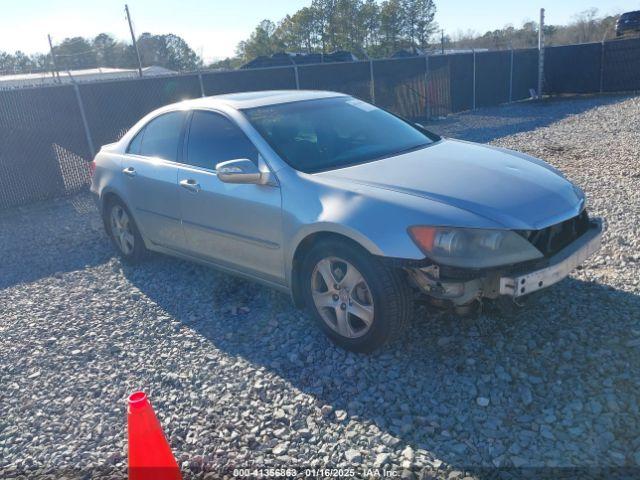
(407, 150)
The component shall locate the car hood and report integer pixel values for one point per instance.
(507, 187)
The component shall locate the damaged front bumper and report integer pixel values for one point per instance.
(514, 281)
(560, 265)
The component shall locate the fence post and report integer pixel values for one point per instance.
(602, 66)
(511, 78)
(85, 124)
(541, 53)
(372, 84)
(295, 72)
(426, 86)
(474, 79)
(201, 84)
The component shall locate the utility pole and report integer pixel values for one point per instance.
(442, 41)
(133, 39)
(541, 54)
(56, 75)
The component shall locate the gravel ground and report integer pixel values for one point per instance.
(239, 378)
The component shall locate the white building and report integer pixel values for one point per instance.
(69, 76)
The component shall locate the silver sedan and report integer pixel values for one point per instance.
(353, 211)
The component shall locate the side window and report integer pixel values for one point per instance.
(214, 139)
(162, 136)
(134, 145)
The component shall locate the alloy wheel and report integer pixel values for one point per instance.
(342, 297)
(121, 229)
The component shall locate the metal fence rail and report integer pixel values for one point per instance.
(47, 134)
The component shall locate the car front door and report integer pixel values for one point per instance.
(150, 179)
(234, 225)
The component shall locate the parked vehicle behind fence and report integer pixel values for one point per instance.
(628, 22)
(350, 209)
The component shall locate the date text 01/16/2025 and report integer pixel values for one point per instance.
(314, 473)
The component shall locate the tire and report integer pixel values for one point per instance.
(383, 298)
(133, 250)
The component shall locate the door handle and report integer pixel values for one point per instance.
(129, 171)
(190, 185)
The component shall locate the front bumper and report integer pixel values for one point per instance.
(560, 265)
(515, 281)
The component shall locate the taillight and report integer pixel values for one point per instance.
(92, 168)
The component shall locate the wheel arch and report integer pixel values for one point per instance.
(301, 250)
(111, 194)
(108, 196)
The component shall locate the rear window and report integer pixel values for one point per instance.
(162, 136)
(134, 145)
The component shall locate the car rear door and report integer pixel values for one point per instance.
(150, 169)
(234, 225)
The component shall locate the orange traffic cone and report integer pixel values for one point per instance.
(150, 456)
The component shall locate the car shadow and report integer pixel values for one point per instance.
(553, 385)
(491, 123)
(50, 238)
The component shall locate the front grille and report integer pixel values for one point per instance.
(552, 239)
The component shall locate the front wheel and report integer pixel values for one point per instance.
(360, 303)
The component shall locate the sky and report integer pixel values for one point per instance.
(213, 28)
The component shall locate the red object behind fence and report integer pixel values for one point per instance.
(150, 456)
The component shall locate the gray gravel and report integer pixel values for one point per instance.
(238, 377)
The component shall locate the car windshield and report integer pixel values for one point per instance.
(328, 133)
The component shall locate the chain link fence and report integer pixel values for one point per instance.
(47, 134)
(353, 78)
(113, 107)
(43, 147)
(612, 66)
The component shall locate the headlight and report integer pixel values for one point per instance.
(473, 247)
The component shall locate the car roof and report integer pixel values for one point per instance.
(258, 99)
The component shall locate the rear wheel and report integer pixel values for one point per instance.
(124, 232)
(360, 303)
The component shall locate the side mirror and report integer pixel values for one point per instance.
(239, 171)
